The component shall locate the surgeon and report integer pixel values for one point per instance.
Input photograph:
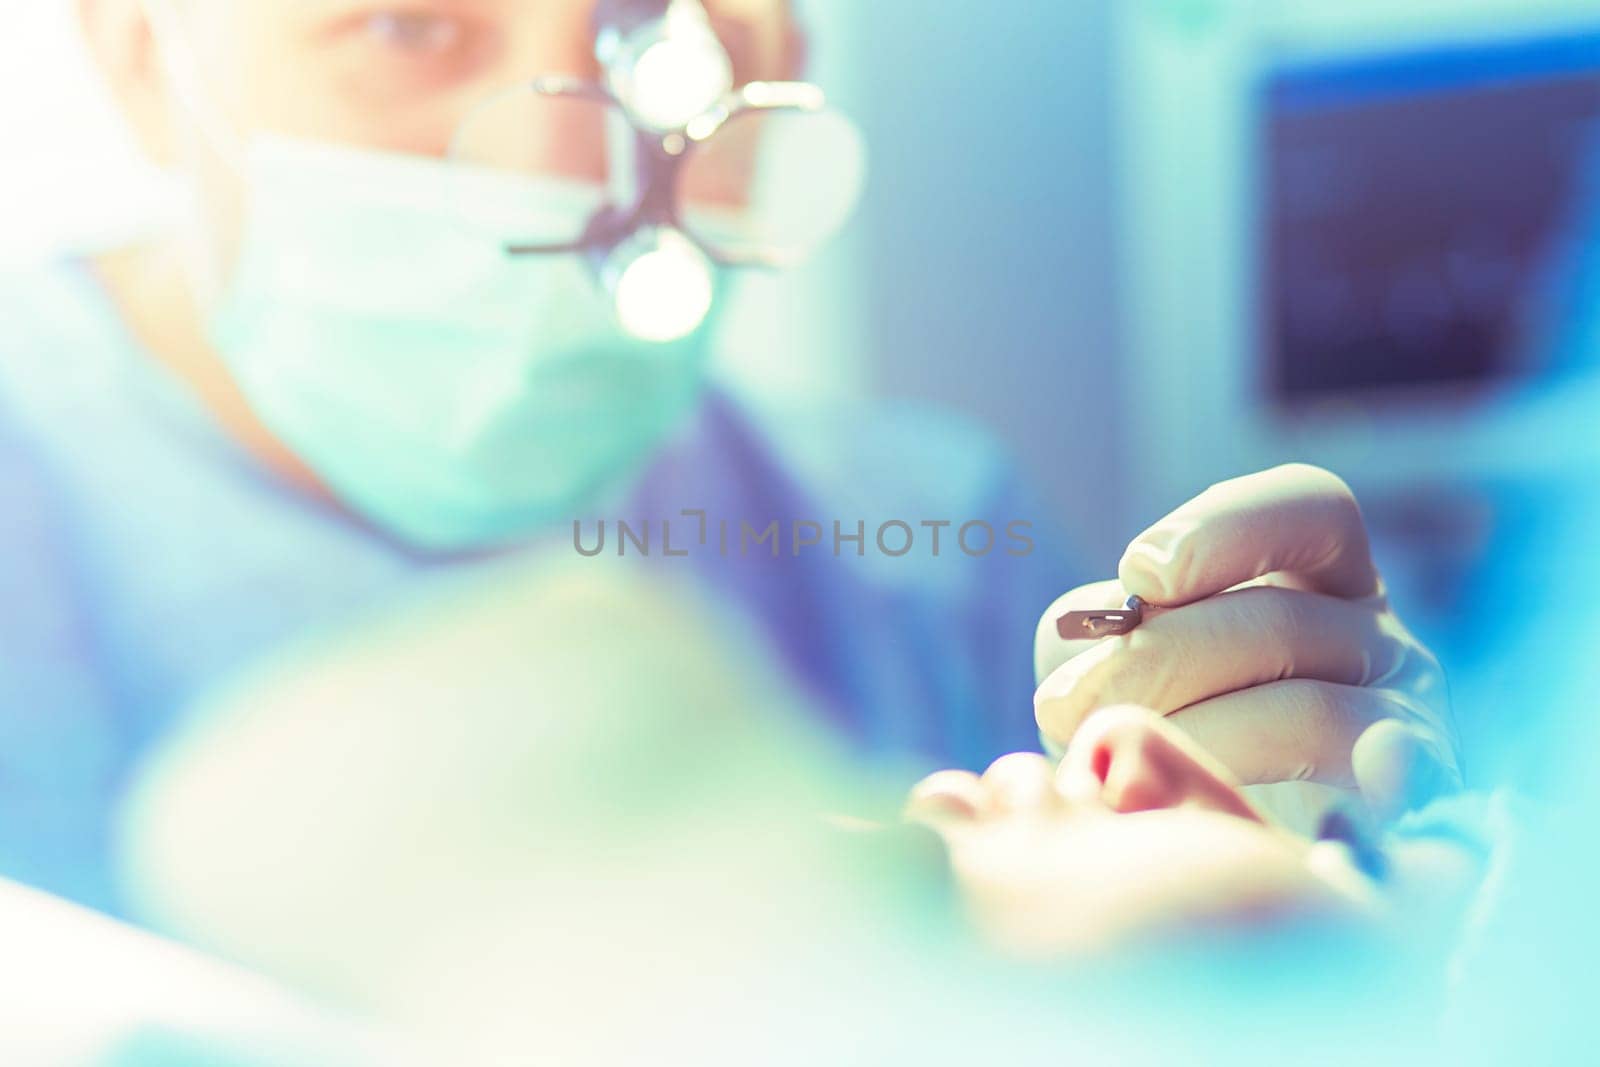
(361, 362)
(378, 350)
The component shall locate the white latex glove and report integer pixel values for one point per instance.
(1270, 641)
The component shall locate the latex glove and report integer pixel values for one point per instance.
(1271, 642)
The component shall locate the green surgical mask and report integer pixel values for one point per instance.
(455, 396)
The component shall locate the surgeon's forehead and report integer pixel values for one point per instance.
(743, 10)
(755, 31)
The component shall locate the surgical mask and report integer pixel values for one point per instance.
(456, 397)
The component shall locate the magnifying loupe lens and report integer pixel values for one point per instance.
(531, 166)
(773, 184)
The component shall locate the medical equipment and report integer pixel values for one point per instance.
(1090, 625)
(697, 173)
(1353, 233)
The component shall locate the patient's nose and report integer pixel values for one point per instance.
(1131, 759)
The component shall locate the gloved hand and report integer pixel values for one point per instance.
(1270, 640)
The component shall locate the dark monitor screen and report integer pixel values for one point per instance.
(1427, 216)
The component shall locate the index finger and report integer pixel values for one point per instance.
(1295, 519)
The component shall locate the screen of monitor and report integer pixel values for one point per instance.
(1428, 216)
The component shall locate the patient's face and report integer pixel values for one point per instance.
(1137, 833)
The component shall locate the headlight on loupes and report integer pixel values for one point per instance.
(669, 172)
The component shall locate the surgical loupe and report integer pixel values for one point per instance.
(667, 170)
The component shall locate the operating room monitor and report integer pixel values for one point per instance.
(1358, 233)
(1425, 216)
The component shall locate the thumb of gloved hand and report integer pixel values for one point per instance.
(1400, 768)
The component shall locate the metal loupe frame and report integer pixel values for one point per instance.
(661, 158)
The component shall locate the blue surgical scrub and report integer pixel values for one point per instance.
(145, 559)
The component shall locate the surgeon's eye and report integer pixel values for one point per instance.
(417, 46)
(417, 33)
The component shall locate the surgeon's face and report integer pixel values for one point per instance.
(402, 74)
(397, 75)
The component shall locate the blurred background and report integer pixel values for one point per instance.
(1155, 243)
